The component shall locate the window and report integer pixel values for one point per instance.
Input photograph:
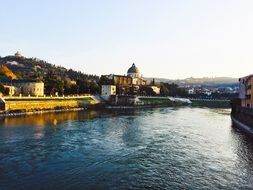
(248, 96)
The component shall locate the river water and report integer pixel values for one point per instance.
(162, 148)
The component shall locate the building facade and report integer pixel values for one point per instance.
(122, 80)
(246, 91)
(24, 87)
(9, 90)
(29, 88)
(133, 77)
(108, 90)
(127, 84)
(136, 76)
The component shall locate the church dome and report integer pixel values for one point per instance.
(133, 69)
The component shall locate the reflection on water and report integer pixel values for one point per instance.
(165, 148)
(41, 120)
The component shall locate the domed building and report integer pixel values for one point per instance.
(133, 72)
(124, 82)
(136, 76)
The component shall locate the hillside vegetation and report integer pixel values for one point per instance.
(56, 78)
(6, 72)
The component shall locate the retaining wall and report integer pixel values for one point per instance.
(34, 104)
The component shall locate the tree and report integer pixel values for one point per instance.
(146, 91)
(105, 81)
(172, 90)
(164, 91)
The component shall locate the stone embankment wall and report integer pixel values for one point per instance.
(140, 101)
(210, 103)
(243, 114)
(157, 101)
(47, 103)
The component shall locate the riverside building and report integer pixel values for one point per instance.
(128, 84)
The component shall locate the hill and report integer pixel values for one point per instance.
(205, 81)
(56, 78)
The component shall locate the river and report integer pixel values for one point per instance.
(161, 148)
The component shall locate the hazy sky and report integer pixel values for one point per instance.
(165, 38)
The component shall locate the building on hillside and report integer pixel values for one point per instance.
(29, 87)
(24, 87)
(18, 54)
(191, 91)
(246, 91)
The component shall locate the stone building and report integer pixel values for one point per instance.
(29, 87)
(108, 90)
(24, 87)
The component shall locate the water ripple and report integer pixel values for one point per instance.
(164, 148)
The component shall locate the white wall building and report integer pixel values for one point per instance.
(108, 90)
(156, 89)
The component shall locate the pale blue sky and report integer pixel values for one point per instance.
(165, 38)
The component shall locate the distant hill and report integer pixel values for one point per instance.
(56, 78)
(214, 81)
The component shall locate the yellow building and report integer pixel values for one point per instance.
(122, 80)
(9, 90)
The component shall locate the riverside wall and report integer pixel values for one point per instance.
(144, 101)
(25, 104)
(211, 103)
(242, 114)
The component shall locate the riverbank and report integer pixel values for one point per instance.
(15, 106)
(242, 117)
(210, 103)
(242, 126)
(39, 104)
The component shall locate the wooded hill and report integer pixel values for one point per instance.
(56, 78)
